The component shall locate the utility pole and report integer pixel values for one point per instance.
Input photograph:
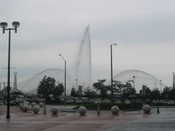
(65, 70)
(4, 26)
(112, 90)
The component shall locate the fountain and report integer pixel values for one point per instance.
(83, 63)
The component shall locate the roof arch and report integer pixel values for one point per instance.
(30, 85)
(140, 78)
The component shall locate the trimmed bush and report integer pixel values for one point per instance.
(146, 109)
(115, 110)
(82, 110)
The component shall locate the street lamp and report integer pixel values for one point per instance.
(64, 73)
(4, 26)
(112, 91)
(133, 78)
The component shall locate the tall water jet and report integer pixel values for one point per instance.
(83, 63)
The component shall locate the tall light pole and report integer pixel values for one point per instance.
(133, 78)
(112, 91)
(4, 25)
(64, 73)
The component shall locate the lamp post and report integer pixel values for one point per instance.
(112, 91)
(133, 78)
(4, 25)
(64, 73)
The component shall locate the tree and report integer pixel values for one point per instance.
(58, 90)
(103, 89)
(117, 86)
(90, 93)
(155, 94)
(128, 90)
(145, 91)
(73, 92)
(172, 94)
(166, 92)
(80, 91)
(47, 88)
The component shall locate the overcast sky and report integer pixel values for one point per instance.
(143, 29)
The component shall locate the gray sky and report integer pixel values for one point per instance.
(144, 30)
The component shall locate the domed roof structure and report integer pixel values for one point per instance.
(139, 78)
(31, 84)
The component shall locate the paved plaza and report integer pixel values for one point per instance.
(126, 121)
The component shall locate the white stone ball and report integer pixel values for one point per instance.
(115, 110)
(146, 109)
(82, 110)
(36, 109)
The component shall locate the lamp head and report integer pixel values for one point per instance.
(15, 24)
(3, 25)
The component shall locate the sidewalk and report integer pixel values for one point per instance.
(126, 121)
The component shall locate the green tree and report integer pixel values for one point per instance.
(80, 91)
(117, 86)
(47, 88)
(58, 90)
(73, 92)
(166, 92)
(90, 93)
(172, 94)
(128, 90)
(102, 88)
(155, 94)
(145, 91)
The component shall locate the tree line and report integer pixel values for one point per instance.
(51, 91)
(124, 90)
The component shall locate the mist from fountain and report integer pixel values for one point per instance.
(83, 63)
